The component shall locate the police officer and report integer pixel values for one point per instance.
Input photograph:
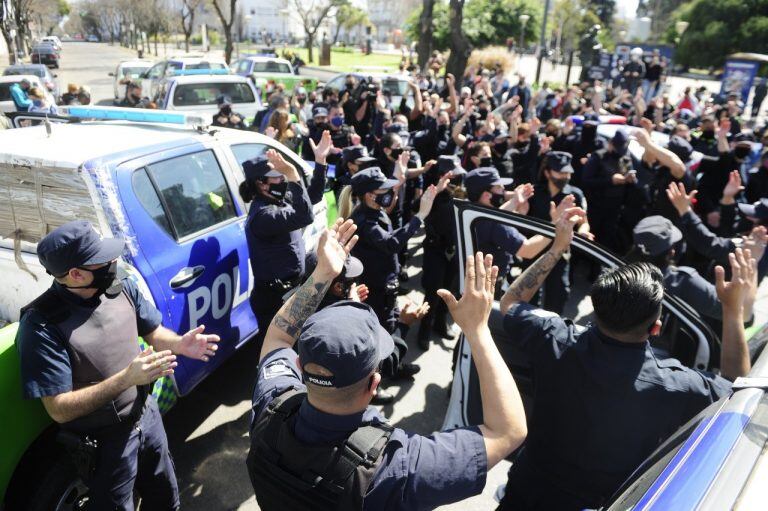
(79, 352)
(379, 243)
(618, 398)
(440, 264)
(557, 170)
(655, 238)
(311, 414)
(485, 187)
(280, 210)
(225, 117)
(607, 174)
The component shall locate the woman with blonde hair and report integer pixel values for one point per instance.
(40, 102)
(281, 129)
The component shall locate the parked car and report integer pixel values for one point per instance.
(394, 86)
(45, 54)
(128, 70)
(171, 192)
(92, 38)
(6, 102)
(152, 77)
(198, 93)
(266, 72)
(55, 41)
(707, 463)
(40, 70)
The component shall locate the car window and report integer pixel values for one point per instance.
(271, 67)
(156, 71)
(175, 65)
(5, 91)
(196, 94)
(132, 71)
(147, 195)
(244, 152)
(395, 87)
(194, 192)
(242, 66)
(205, 65)
(337, 83)
(25, 71)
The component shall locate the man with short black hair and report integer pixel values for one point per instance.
(603, 397)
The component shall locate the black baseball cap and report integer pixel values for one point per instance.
(656, 235)
(447, 163)
(371, 179)
(681, 147)
(367, 162)
(345, 338)
(223, 99)
(76, 244)
(559, 161)
(619, 141)
(319, 111)
(353, 153)
(757, 210)
(479, 180)
(259, 168)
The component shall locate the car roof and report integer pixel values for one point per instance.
(72, 144)
(358, 74)
(18, 78)
(256, 58)
(136, 62)
(192, 59)
(212, 78)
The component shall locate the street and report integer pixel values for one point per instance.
(208, 429)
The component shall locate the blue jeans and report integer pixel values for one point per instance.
(136, 457)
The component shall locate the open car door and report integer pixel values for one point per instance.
(684, 336)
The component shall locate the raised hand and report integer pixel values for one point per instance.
(334, 247)
(358, 293)
(427, 200)
(564, 227)
(471, 312)
(281, 165)
(732, 187)
(411, 312)
(322, 148)
(149, 366)
(756, 242)
(733, 292)
(196, 345)
(555, 212)
(679, 198)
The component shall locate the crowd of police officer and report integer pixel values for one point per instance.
(315, 442)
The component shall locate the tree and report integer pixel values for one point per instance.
(572, 19)
(348, 17)
(6, 27)
(459, 44)
(425, 38)
(718, 28)
(226, 24)
(188, 8)
(313, 15)
(604, 10)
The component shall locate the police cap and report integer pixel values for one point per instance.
(479, 180)
(259, 168)
(559, 161)
(371, 179)
(655, 235)
(76, 244)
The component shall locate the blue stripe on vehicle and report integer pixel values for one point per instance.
(683, 483)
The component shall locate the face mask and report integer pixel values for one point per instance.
(396, 152)
(226, 110)
(482, 113)
(337, 122)
(385, 200)
(500, 147)
(395, 127)
(708, 133)
(741, 152)
(323, 126)
(301, 100)
(559, 182)
(521, 145)
(277, 190)
(588, 131)
(486, 162)
(553, 134)
(497, 199)
(103, 278)
(350, 85)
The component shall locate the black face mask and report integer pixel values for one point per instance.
(521, 146)
(708, 134)
(588, 132)
(385, 200)
(501, 148)
(226, 110)
(277, 190)
(560, 182)
(741, 152)
(395, 154)
(486, 162)
(301, 100)
(103, 278)
(497, 199)
(482, 113)
(322, 126)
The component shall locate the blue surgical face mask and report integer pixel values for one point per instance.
(337, 121)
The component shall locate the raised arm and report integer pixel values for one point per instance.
(504, 427)
(734, 355)
(332, 250)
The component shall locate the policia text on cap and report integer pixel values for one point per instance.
(79, 353)
(348, 456)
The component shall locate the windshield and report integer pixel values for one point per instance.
(133, 71)
(271, 67)
(205, 65)
(25, 71)
(196, 94)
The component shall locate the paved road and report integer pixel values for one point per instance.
(208, 428)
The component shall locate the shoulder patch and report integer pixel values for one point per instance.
(275, 369)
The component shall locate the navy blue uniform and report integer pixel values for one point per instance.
(600, 408)
(276, 248)
(685, 283)
(416, 472)
(501, 241)
(377, 248)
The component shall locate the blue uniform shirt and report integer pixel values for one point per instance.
(20, 98)
(600, 408)
(503, 241)
(274, 235)
(687, 284)
(45, 363)
(416, 472)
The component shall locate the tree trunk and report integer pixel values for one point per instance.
(186, 42)
(228, 45)
(426, 40)
(336, 35)
(459, 44)
(156, 54)
(310, 47)
(11, 46)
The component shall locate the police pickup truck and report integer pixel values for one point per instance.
(171, 191)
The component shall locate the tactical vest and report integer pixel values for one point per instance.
(289, 474)
(100, 342)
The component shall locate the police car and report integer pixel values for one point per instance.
(152, 77)
(197, 91)
(171, 191)
(716, 461)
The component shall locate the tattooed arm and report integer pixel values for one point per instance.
(526, 285)
(332, 250)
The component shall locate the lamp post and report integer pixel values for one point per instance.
(542, 39)
(523, 21)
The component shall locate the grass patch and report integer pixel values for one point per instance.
(347, 59)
